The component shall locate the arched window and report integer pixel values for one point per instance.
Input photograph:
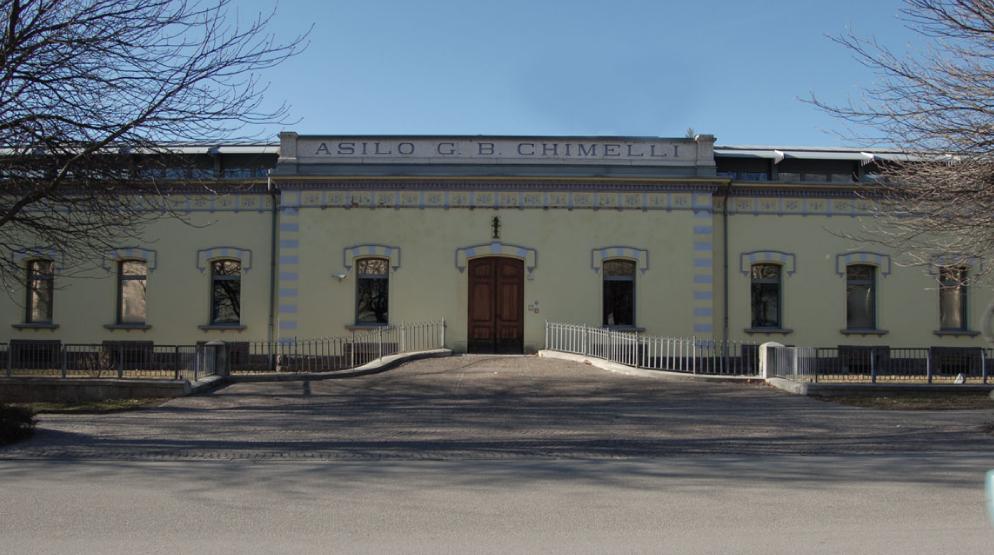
(619, 292)
(226, 292)
(40, 290)
(766, 296)
(132, 277)
(861, 297)
(372, 291)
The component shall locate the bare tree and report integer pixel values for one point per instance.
(934, 104)
(93, 92)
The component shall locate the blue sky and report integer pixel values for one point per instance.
(639, 67)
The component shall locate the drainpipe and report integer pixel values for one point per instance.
(724, 268)
(275, 194)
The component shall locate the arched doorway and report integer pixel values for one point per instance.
(496, 305)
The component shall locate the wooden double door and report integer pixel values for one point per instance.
(496, 305)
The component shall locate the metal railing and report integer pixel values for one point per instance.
(691, 356)
(335, 353)
(108, 360)
(143, 359)
(880, 364)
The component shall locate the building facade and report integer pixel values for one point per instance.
(321, 235)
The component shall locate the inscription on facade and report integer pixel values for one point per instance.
(495, 150)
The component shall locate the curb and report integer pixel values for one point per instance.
(832, 389)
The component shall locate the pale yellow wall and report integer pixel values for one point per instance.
(178, 292)
(429, 286)
(814, 297)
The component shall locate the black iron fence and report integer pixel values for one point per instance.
(144, 359)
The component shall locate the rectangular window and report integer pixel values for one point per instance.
(372, 291)
(952, 299)
(226, 292)
(132, 277)
(766, 296)
(619, 292)
(861, 302)
(40, 290)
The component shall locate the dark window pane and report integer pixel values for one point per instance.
(861, 303)
(859, 306)
(619, 268)
(765, 305)
(226, 292)
(227, 302)
(372, 301)
(860, 272)
(619, 303)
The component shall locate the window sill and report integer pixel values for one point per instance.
(957, 333)
(139, 327)
(863, 332)
(35, 326)
(365, 327)
(221, 327)
(629, 329)
(771, 331)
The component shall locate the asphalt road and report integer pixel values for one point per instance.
(753, 504)
(476, 454)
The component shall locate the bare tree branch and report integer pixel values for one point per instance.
(92, 95)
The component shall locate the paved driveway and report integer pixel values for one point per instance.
(477, 407)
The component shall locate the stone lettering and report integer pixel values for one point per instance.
(376, 150)
(405, 148)
(586, 150)
(612, 150)
(346, 148)
(323, 149)
(521, 149)
(632, 154)
(550, 149)
(486, 149)
(446, 149)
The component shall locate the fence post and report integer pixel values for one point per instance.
(983, 364)
(120, 360)
(816, 364)
(379, 342)
(402, 348)
(796, 361)
(442, 346)
(65, 361)
(638, 350)
(928, 365)
(546, 335)
(352, 351)
(10, 360)
(873, 365)
(693, 354)
(176, 361)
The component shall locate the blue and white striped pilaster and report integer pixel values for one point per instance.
(703, 249)
(288, 263)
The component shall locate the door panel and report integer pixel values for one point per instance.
(496, 305)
